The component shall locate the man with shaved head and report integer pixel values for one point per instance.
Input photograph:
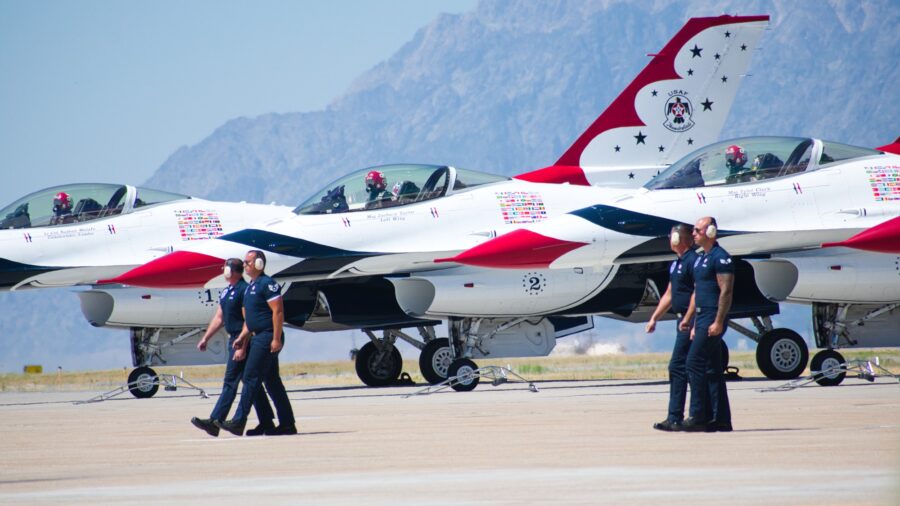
(713, 290)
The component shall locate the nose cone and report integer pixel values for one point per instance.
(181, 269)
(519, 249)
(883, 238)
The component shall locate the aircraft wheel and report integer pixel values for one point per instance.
(824, 360)
(378, 369)
(144, 382)
(434, 362)
(465, 368)
(781, 354)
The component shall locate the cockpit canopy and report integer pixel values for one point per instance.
(392, 186)
(752, 159)
(84, 202)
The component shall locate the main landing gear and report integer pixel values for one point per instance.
(780, 353)
(378, 362)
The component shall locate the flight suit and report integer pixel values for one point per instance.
(681, 277)
(231, 302)
(262, 364)
(709, 397)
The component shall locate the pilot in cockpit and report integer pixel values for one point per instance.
(62, 209)
(735, 161)
(376, 187)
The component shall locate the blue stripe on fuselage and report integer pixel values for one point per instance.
(13, 273)
(626, 222)
(287, 245)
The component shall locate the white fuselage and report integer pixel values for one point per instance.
(82, 253)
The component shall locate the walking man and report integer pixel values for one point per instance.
(231, 316)
(713, 289)
(677, 298)
(259, 343)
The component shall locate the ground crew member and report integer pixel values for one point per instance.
(677, 298)
(259, 343)
(713, 289)
(230, 315)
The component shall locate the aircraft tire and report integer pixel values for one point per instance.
(144, 382)
(463, 366)
(826, 359)
(781, 354)
(434, 362)
(377, 371)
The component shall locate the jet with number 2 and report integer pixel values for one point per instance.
(357, 255)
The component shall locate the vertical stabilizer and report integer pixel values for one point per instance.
(678, 103)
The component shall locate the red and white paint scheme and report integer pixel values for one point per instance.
(363, 256)
(102, 230)
(659, 116)
(679, 102)
(350, 245)
(819, 222)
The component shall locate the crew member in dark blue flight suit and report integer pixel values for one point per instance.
(261, 340)
(677, 298)
(230, 315)
(713, 290)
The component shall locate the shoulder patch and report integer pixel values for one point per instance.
(274, 286)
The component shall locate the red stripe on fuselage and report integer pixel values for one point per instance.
(556, 174)
(181, 269)
(883, 238)
(519, 249)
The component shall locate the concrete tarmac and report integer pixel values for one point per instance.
(573, 442)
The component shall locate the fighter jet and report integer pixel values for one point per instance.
(816, 220)
(75, 234)
(78, 233)
(361, 252)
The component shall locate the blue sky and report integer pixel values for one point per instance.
(106, 91)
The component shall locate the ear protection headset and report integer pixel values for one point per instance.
(260, 261)
(711, 231)
(675, 238)
(232, 266)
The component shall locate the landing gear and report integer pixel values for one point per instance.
(434, 362)
(143, 382)
(825, 361)
(464, 370)
(781, 354)
(379, 366)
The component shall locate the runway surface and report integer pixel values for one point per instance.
(573, 442)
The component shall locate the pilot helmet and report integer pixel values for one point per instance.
(735, 156)
(375, 180)
(62, 201)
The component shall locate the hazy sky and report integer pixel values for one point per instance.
(105, 91)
